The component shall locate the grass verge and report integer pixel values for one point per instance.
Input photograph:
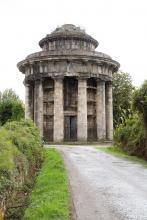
(49, 199)
(116, 151)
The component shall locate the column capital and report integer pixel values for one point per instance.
(38, 81)
(104, 78)
(109, 83)
(58, 78)
(100, 81)
(27, 83)
(31, 63)
(82, 78)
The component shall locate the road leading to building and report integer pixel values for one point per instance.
(104, 187)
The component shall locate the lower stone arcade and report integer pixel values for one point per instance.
(96, 95)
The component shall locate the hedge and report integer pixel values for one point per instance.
(20, 157)
(130, 136)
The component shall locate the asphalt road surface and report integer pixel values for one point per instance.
(104, 187)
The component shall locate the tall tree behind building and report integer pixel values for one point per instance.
(122, 97)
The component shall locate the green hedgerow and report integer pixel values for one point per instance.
(130, 136)
(25, 135)
(21, 155)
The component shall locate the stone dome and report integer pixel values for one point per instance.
(68, 32)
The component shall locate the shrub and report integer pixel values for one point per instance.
(13, 168)
(130, 136)
(140, 104)
(26, 137)
(20, 157)
(11, 107)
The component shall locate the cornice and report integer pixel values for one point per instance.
(79, 58)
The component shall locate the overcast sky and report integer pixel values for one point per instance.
(120, 26)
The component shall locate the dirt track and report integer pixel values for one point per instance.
(104, 187)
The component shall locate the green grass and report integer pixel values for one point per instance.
(49, 199)
(116, 151)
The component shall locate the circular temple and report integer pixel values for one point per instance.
(69, 87)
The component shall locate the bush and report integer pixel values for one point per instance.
(140, 104)
(11, 107)
(13, 164)
(26, 137)
(130, 136)
(20, 157)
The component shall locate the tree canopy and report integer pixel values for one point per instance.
(122, 97)
(140, 102)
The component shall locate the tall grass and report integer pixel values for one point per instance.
(50, 197)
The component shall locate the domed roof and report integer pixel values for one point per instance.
(68, 31)
(68, 28)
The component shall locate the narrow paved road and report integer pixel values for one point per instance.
(104, 187)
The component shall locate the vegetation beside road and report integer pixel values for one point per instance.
(21, 156)
(49, 199)
(130, 115)
(118, 152)
(123, 90)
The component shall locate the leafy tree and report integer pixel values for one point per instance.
(11, 107)
(122, 97)
(140, 103)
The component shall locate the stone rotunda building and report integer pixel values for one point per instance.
(68, 87)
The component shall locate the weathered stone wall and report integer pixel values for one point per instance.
(68, 45)
(71, 68)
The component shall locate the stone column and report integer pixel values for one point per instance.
(58, 110)
(27, 101)
(38, 105)
(109, 111)
(100, 111)
(82, 110)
